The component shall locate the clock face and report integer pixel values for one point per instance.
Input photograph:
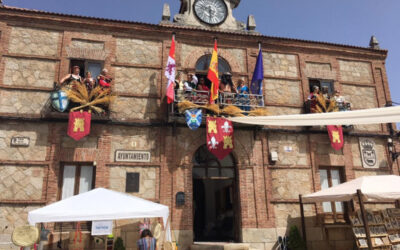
(212, 12)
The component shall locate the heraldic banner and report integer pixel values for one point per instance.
(336, 136)
(219, 137)
(79, 124)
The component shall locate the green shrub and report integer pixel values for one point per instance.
(119, 244)
(295, 240)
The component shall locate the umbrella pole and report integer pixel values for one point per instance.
(364, 217)
(303, 223)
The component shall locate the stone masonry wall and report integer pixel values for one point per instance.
(361, 98)
(29, 72)
(283, 92)
(22, 102)
(298, 154)
(319, 70)
(289, 183)
(137, 51)
(147, 180)
(37, 133)
(127, 108)
(14, 184)
(33, 41)
(353, 71)
(136, 81)
(235, 57)
(280, 65)
(84, 44)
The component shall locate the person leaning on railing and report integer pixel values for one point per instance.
(203, 91)
(243, 95)
(74, 76)
(190, 86)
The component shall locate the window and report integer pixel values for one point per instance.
(203, 64)
(331, 177)
(322, 84)
(76, 179)
(86, 65)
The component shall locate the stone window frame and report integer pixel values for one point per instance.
(333, 217)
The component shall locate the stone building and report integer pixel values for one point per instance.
(256, 197)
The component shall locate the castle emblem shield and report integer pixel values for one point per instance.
(368, 153)
(59, 100)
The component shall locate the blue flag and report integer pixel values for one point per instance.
(258, 76)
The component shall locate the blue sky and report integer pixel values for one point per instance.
(339, 21)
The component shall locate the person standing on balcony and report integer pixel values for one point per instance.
(178, 86)
(204, 91)
(104, 80)
(191, 82)
(89, 81)
(74, 76)
(340, 101)
(312, 99)
(243, 95)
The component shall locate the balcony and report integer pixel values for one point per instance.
(246, 102)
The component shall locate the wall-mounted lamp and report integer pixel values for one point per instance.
(391, 149)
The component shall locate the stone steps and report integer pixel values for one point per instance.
(219, 246)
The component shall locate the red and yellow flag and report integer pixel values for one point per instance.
(213, 74)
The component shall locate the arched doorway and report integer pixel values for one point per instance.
(215, 206)
(203, 64)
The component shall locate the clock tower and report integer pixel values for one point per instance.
(214, 14)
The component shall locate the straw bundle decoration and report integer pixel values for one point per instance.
(232, 111)
(98, 96)
(213, 108)
(259, 112)
(321, 105)
(321, 101)
(185, 105)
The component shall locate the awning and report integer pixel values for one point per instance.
(382, 188)
(98, 205)
(357, 117)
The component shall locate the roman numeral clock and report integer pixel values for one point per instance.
(214, 14)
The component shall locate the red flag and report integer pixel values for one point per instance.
(79, 124)
(336, 136)
(219, 137)
(170, 72)
(213, 74)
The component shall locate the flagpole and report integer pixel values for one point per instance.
(259, 45)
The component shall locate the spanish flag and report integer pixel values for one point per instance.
(213, 74)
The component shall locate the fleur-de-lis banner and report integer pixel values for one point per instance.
(79, 124)
(219, 137)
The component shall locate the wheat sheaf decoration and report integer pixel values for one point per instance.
(96, 100)
(323, 105)
(229, 110)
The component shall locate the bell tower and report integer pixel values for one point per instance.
(211, 14)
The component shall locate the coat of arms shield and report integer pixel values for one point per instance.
(59, 100)
(193, 118)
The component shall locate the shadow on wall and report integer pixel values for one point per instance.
(151, 110)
